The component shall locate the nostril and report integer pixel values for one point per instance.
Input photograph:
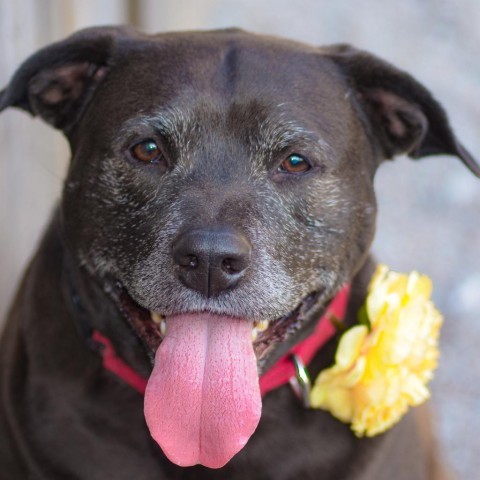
(192, 261)
(229, 265)
(188, 261)
(232, 265)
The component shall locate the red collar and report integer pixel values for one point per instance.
(280, 374)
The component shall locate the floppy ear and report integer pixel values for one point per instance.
(402, 115)
(58, 81)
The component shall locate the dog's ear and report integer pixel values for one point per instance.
(402, 115)
(58, 81)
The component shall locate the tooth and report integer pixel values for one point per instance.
(254, 334)
(160, 321)
(156, 317)
(163, 327)
(262, 325)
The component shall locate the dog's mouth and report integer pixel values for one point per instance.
(151, 326)
(202, 400)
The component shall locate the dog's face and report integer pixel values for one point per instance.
(258, 138)
(224, 174)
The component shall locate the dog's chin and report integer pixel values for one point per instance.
(151, 327)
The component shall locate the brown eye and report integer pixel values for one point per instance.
(294, 164)
(147, 152)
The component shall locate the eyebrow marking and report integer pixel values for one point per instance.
(276, 135)
(172, 123)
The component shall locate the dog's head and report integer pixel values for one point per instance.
(223, 181)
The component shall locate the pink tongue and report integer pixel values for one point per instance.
(202, 401)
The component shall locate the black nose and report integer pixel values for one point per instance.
(211, 260)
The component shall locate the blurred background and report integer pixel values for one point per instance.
(429, 211)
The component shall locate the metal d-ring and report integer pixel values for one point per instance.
(301, 383)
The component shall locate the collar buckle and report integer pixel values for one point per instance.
(300, 383)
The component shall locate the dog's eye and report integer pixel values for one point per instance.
(147, 152)
(294, 164)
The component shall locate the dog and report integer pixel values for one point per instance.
(220, 186)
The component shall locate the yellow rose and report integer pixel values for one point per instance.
(381, 369)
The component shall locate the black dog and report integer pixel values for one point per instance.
(218, 181)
